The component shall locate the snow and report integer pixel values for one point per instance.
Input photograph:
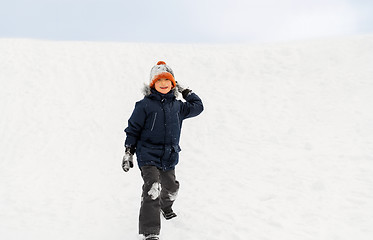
(283, 150)
(155, 190)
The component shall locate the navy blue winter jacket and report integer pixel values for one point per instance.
(154, 127)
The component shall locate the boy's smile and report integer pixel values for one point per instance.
(163, 85)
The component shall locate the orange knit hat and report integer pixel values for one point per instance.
(161, 70)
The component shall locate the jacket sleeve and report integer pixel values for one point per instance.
(135, 125)
(192, 107)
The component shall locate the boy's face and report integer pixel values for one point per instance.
(163, 85)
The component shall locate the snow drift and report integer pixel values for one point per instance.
(283, 150)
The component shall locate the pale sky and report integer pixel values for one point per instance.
(184, 21)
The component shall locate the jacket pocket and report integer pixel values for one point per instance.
(174, 156)
(176, 148)
(178, 119)
(153, 122)
(150, 154)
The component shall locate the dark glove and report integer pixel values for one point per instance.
(184, 91)
(127, 162)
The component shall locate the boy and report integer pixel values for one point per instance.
(153, 133)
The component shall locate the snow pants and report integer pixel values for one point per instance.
(159, 191)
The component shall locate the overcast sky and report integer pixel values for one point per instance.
(184, 21)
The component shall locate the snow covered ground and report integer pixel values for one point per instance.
(283, 150)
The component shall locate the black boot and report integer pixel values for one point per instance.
(151, 237)
(168, 213)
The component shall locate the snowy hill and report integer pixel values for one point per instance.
(283, 150)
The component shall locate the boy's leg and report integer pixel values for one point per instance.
(149, 219)
(170, 187)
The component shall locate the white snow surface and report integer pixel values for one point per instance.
(282, 151)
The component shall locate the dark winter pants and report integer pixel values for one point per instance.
(158, 192)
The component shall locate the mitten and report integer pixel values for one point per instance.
(127, 162)
(184, 91)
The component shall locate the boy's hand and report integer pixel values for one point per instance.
(184, 91)
(179, 87)
(127, 162)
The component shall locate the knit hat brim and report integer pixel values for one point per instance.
(166, 75)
